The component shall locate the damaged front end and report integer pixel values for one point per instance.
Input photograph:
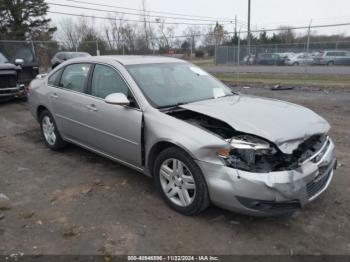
(252, 153)
(257, 177)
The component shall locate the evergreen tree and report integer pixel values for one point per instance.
(24, 19)
(263, 38)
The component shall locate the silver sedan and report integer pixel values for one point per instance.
(201, 142)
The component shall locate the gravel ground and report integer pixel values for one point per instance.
(75, 202)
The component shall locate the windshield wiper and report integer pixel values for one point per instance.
(171, 106)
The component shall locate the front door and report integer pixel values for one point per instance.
(114, 130)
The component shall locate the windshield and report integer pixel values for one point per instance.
(3, 59)
(171, 84)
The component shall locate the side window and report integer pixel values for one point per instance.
(54, 78)
(60, 56)
(106, 81)
(75, 76)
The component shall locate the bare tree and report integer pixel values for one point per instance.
(193, 34)
(114, 31)
(72, 32)
(68, 34)
(208, 38)
(129, 36)
(167, 34)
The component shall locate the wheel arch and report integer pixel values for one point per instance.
(39, 110)
(159, 147)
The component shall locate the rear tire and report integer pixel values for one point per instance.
(49, 132)
(330, 63)
(180, 182)
(296, 64)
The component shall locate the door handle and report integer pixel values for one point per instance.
(54, 96)
(91, 107)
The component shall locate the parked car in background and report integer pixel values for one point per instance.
(270, 59)
(249, 60)
(201, 142)
(9, 85)
(60, 57)
(299, 59)
(334, 57)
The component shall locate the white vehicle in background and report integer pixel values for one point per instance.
(249, 60)
(299, 59)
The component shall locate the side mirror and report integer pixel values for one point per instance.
(117, 99)
(19, 62)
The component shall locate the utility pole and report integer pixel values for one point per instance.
(308, 38)
(97, 49)
(248, 37)
(192, 40)
(239, 47)
(235, 25)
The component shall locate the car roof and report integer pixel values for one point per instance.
(129, 59)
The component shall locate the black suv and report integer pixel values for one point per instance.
(9, 85)
(30, 67)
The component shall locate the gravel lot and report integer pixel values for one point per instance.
(75, 202)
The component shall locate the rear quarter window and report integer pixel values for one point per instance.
(55, 78)
(74, 77)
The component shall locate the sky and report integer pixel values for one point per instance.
(266, 14)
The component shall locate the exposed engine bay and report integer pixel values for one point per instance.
(252, 153)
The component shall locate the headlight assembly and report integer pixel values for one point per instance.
(247, 153)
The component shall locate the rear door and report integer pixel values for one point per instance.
(342, 58)
(69, 101)
(112, 129)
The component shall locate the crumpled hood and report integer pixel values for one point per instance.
(285, 124)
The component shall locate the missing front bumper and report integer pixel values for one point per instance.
(274, 192)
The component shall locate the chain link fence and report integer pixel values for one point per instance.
(238, 55)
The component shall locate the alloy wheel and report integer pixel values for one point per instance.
(49, 130)
(177, 182)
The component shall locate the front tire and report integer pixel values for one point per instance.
(49, 132)
(180, 182)
(330, 63)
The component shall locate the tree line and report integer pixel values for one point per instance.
(27, 20)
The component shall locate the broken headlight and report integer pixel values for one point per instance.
(248, 153)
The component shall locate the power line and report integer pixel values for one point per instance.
(149, 11)
(299, 27)
(271, 30)
(127, 13)
(127, 20)
(227, 33)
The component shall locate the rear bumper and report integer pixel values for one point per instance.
(12, 92)
(266, 194)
